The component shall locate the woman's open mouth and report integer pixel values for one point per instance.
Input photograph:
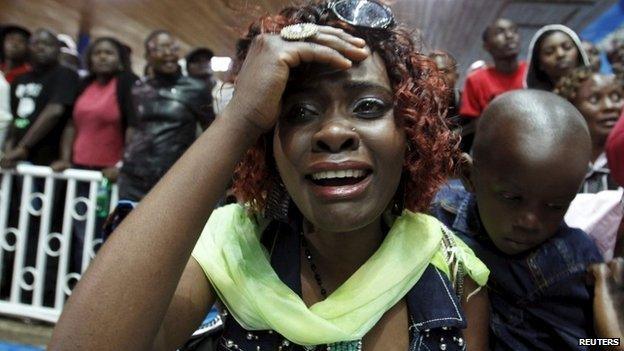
(609, 121)
(340, 184)
(339, 178)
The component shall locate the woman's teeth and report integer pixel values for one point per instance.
(339, 174)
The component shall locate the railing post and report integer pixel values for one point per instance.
(30, 176)
(43, 242)
(62, 277)
(90, 229)
(5, 200)
(21, 240)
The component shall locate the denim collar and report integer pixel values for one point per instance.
(464, 206)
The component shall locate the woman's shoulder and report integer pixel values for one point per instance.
(232, 217)
(233, 213)
(228, 223)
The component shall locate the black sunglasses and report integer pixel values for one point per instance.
(363, 13)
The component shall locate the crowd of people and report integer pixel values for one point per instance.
(378, 206)
(109, 120)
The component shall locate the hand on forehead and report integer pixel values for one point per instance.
(315, 76)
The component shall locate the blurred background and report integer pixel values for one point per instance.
(451, 25)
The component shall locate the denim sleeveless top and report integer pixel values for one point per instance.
(435, 314)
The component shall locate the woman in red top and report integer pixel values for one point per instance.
(95, 136)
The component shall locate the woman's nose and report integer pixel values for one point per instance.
(335, 137)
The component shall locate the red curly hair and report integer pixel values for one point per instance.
(420, 103)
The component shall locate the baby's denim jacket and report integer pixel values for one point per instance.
(539, 299)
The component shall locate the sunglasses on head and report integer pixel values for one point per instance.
(363, 13)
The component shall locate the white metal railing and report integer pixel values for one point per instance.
(38, 185)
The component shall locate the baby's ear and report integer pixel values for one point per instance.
(465, 172)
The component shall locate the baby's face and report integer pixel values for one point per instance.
(522, 205)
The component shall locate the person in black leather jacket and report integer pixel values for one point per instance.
(168, 107)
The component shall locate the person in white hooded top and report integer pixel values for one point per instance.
(554, 51)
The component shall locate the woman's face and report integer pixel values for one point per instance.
(105, 58)
(557, 55)
(337, 147)
(163, 54)
(599, 99)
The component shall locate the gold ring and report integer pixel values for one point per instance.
(299, 31)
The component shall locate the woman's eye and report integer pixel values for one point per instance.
(616, 97)
(593, 99)
(370, 108)
(301, 112)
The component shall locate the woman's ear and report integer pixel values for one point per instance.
(465, 171)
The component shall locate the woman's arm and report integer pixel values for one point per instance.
(477, 310)
(126, 293)
(608, 300)
(122, 299)
(191, 302)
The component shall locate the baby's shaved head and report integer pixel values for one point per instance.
(533, 126)
(531, 153)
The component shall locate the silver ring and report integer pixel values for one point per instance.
(299, 31)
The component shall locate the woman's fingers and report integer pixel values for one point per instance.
(269, 61)
(329, 46)
(617, 270)
(332, 46)
(359, 42)
(612, 271)
(344, 47)
(311, 52)
(600, 273)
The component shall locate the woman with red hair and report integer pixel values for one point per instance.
(337, 132)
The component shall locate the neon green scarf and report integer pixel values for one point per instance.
(238, 267)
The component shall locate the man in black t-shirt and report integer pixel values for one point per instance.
(41, 103)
